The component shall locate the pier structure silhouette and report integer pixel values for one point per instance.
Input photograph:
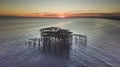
(56, 39)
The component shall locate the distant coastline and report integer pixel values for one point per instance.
(103, 17)
(113, 18)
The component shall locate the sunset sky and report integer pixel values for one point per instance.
(58, 7)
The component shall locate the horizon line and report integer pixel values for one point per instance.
(65, 15)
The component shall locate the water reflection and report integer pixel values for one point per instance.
(56, 41)
(55, 46)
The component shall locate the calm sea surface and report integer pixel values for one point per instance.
(102, 50)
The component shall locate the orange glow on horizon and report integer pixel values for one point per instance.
(57, 15)
(62, 15)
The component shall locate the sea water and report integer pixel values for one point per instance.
(102, 49)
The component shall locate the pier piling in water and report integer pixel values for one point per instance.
(55, 38)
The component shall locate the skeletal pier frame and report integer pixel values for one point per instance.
(55, 38)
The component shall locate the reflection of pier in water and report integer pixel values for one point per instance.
(56, 40)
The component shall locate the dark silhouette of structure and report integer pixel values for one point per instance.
(56, 40)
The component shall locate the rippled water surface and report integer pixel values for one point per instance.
(102, 50)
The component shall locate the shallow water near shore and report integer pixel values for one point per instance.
(102, 49)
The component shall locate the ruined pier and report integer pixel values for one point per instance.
(56, 39)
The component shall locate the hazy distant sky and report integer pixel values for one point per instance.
(13, 7)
